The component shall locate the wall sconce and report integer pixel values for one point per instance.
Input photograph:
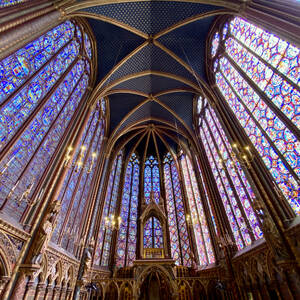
(225, 240)
(6, 166)
(243, 156)
(190, 220)
(112, 222)
(79, 164)
(68, 156)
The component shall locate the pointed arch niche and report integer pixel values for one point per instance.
(153, 231)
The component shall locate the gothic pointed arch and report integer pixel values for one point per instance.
(257, 78)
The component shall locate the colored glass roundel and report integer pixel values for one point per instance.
(126, 244)
(42, 86)
(259, 78)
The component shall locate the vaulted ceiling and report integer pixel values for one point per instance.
(151, 59)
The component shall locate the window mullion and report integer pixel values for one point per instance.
(196, 206)
(263, 131)
(81, 174)
(229, 177)
(274, 69)
(75, 189)
(175, 206)
(225, 191)
(110, 203)
(128, 214)
(231, 183)
(86, 207)
(288, 123)
(28, 80)
(13, 140)
(48, 131)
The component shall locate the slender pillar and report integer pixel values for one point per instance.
(16, 37)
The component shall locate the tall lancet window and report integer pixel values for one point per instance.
(232, 183)
(179, 239)
(151, 180)
(198, 217)
(42, 85)
(75, 191)
(258, 76)
(153, 234)
(105, 232)
(126, 245)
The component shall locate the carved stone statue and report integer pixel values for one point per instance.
(45, 232)
(42, 240)
(272, 235)
(86, 262)
(193, 259)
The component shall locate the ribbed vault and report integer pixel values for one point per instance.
(151, 58)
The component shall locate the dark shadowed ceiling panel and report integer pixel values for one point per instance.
(151, 16)
(152, 58)
(182, 104)
(113, 44)
(152, 84)
(188, 42)
(120, 105)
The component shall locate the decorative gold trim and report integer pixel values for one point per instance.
(181, 62)
(175, 115)
(13, 230)
(128, 114)
(125, 91)
(111, 143)
(84, 4)
(178, 90)
(111, 21)
(51, 249)
(191, 20)
(98, 93)
(134, 127)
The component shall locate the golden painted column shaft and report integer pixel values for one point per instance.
(15, 37)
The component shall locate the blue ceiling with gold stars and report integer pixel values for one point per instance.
(153, 50)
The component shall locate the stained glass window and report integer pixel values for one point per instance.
(179, 239)
(151, 180)
(198, 217)
(206, 195)
(105, 234)
(258, 76)
(42, 86)
(153, 234)
(5, 3)
(126, 245)
(232, 183)
(76, 187)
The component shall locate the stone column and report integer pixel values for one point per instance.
(69, 294)
(39, 290)
(56, 292)
(16, 37)
(48, 292)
